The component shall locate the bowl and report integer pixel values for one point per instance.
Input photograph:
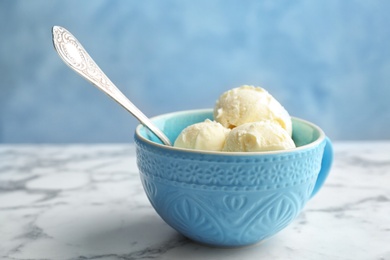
(229, 199)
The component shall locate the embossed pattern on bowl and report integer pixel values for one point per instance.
(226, 199)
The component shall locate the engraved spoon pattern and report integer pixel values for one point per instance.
(76, 57)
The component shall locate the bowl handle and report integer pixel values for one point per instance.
(327, 160)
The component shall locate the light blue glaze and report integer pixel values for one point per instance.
(230, 199)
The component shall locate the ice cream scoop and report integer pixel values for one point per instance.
(247, 104)
(258, 136)
(207, 135)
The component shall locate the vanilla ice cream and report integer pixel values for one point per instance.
(258, 137)
(247, 104)
(207, 135)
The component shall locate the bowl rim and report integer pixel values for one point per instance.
(141, 138)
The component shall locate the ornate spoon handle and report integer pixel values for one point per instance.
(76, 57)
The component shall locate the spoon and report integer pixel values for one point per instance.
(76, 57)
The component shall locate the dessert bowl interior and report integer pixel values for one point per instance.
(304, 132)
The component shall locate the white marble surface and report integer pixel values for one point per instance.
(87, 202)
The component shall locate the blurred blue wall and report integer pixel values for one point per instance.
(325, 61)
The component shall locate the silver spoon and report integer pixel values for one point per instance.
(76, 57)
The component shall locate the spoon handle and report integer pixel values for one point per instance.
(76, 57)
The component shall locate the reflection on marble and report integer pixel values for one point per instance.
(87, 202)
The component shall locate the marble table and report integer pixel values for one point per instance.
(87, 202)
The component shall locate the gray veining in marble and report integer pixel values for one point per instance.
(87, 202)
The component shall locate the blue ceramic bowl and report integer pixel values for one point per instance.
(230, 199)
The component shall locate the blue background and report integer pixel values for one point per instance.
(325, 61)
